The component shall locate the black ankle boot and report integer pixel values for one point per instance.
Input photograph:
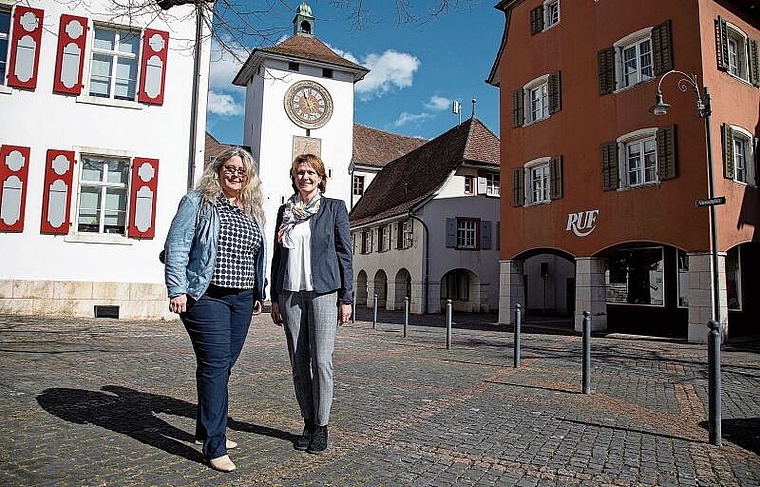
(302, 443)
(318, 440)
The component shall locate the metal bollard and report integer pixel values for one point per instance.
(406, 315)
(353, 310)
(518, 322)
(713, 361)
(448, 324)
(586, 352)
(374, 312)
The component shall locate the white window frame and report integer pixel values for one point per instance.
(115, 55)
(360, 179)
(6, 36)
(467, 233)
(493, 184)
(682, 278)
(551, 6)
(538, 86)
(531, 167)
(748, 143)
(469, 181)
(638, 137)
(738, 54)
(408, 237)
(635, 39)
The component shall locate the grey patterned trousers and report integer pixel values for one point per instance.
(310, 321)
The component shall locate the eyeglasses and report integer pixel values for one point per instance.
(232, 170)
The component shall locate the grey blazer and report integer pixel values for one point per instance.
(331, 259)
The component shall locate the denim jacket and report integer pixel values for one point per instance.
(190, 249)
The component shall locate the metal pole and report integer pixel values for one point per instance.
(406, 315)
(374, 312)
(353, 311)
(713, 216)
(586, 352)
(195, 95)
(448, 324)
(518, 322)
(713, 360)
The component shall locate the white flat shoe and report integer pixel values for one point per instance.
(222, 464)
(230, 444)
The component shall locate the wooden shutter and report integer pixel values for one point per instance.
(25, 47)
(451, 232)
(142, 200)
(518, 108)
(721, 43)
(153, 66)
(518, 186)
(14, 168)
(485, 234)
(662, 48)
(610, 175)
(606, 58)
(754, 62)
(56, 196)
(400, 234)
(556, 188)
(69, 60)
(667, 167)
(727, 134)
(555, 92)
(497, 234)
(537, 20)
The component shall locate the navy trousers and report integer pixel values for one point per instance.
(217, 324)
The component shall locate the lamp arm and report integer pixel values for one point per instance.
(684, 83)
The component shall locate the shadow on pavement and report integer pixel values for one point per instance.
(133, 413)
(744, 432)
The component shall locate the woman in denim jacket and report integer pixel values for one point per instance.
(214, 256)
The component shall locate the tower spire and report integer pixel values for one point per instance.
(303, 23)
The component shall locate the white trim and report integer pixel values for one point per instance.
(627, 41)
(527, 88)
(528, 191)
(108, 102)
(749, 158)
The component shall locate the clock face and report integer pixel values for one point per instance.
(308, 104)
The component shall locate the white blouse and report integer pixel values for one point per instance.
(298, 275)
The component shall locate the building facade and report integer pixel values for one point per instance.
(94, 153)
(427, 227)
(602, 200)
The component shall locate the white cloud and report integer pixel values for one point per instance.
(389, 70)
(407, 117)
(223, 104)
(225, 65)
(438, 103)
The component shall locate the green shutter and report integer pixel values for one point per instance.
(666, 153)
(727, 134)
(606, 58)
(518, 187)
(610, 176)
(556, 188)
(518, 113)
(537, 20)
(721, 43)
(555, 93)
(754, 63)
(662, 51)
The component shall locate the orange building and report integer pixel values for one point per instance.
(602, 214)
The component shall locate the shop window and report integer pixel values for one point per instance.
(635, 276)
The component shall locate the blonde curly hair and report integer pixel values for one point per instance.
(251, 198)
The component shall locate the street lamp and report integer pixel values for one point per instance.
(704, 111)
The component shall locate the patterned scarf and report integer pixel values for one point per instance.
(296, 211)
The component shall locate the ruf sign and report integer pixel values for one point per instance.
(582, 223)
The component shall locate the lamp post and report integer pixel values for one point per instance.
(704, 111)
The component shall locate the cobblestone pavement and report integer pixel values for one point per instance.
(103, 402)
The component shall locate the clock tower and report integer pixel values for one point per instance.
(299, 99)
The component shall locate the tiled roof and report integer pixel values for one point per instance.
(213, 146)
(377, 148)
(308, 47)
(414, 177)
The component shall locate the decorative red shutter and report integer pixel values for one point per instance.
(69, 60)
(25, 47)
(142, 200)
(56, 197)
(14, 167)
(153, 66)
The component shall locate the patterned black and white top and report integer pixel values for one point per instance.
(239, 241)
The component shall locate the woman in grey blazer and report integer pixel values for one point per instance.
(312, 291)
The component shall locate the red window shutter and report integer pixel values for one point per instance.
(25, 47)
(69, 59)
(142, 200)
(153, 66)
(14, 167)
(56, 197)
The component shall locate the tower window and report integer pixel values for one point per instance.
(293, 66)
(327, 73)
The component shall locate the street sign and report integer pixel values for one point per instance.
(718, 200)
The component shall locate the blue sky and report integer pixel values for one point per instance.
(417, 69)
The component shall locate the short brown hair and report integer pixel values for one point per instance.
(315, 163)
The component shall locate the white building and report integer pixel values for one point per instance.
(427, 226)
(94, 150)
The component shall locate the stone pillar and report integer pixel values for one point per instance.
(390, 297)
(484, 304)
(590, 292)
(371, 294)
(417, 297)
(701, 298)
(511, 289)
(434, 297)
